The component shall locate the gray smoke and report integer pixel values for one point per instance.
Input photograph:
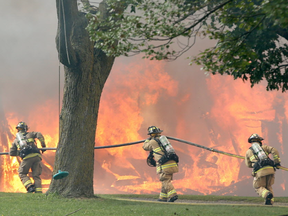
(29, 65)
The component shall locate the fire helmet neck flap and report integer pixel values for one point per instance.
(154, 130)
(255, 138)
(22, 125)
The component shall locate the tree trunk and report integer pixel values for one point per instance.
(86, 71)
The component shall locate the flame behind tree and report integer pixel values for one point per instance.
(232, 114)
(5, 137)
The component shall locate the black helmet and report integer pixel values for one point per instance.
(22, 125)
(255, 138)
(154, 130)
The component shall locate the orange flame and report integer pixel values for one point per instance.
(138, 95)
(283, 185)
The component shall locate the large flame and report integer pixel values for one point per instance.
(141, 94)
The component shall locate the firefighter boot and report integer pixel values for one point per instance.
(268, 199)
(31, 189)
(172, 199)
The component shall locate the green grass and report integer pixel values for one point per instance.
(255, 200)
(102, 205)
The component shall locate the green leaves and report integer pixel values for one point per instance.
(247, 34)
(154, 26)
(249, 48)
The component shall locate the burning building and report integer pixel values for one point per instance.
(216, 112)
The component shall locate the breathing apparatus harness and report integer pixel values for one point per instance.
(261, 157)
(150, 160)
(24, 145)
(166, 147)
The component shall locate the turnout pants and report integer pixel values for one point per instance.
(35, 164)
(263, 185)
(167, 189)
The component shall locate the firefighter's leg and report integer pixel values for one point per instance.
(163, 193)
(260, 185)
(36, 172)
(23, 171)
(172, 194)
(168, 187)
(269, 182)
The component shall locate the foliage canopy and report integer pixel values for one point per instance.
(251, 35)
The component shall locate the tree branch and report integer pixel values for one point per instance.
(66, 12)
(88, 7)
(206, 16)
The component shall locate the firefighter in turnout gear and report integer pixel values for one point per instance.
(257, 157)
(166, 162)
(25, 146)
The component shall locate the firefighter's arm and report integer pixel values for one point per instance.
(147, 145)
(275, 153)
(248, 161)
(40, 137)
(13, 150)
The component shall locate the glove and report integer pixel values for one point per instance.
(277, 164)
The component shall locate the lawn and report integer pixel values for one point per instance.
(124, 205)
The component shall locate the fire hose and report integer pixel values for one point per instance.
(217, 151)
(96, 147)
(172, 138)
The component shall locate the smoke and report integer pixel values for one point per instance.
(29, 65)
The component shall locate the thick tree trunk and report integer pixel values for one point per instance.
(86, 71)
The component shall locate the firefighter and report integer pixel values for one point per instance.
(166, 162)
(257, 157)
(25, 146)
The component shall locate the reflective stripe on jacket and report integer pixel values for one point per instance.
(30, 136)
(169, 167)
(267, 170)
